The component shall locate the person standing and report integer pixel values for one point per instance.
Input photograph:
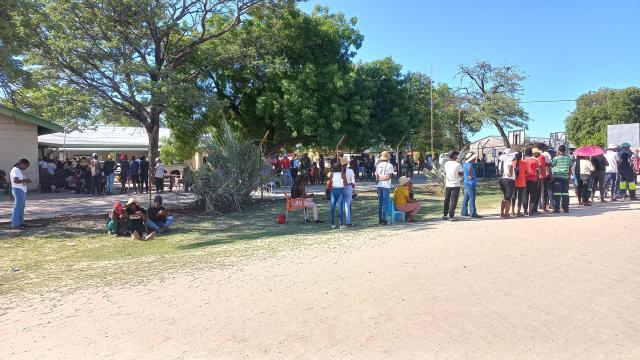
(19, 192)
(470, 187)
(337, 182)
(532, 177)
(627, 176)
(144, 174)
(124, 173)
(611, 171)
(159, 176)
(348, 189)
(322, 169)
(561, 175)
(586, 171)
(108, 169)
(453, 174)
(384, 173)
(520, 171)
(134, 173)
(286, 170)
(96, 175)
(600, 164)
(507, 183)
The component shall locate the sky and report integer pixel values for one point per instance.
(564, 47)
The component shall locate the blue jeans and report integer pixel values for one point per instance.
(469, 199)
(286, 177)
(110, 179)
(157, 226)
(383, 199)
(337, 194)
(347, 197)
(17, 218)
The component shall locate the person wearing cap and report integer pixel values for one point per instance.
(384, 173)
(470, 187)
(453, 174)
(159, 176)
(349, 187)
(159, 219)
(137, 221)
(108, 169)
(403, 201)
(561, 175)
(611, 171)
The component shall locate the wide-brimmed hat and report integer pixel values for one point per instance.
(403, 180)
(470, 156)
(612, 147)
(385, 156)
(131, 201)
(508, 151)
(344, 161)
(625, 145)
(536, 150)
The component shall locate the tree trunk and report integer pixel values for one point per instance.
(153, 133)
(504, 136)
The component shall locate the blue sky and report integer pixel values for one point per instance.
(566, 48)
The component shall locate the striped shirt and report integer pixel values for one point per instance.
(561, 165)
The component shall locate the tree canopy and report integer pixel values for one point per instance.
(587, 124)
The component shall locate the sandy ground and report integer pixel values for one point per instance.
(552, 287)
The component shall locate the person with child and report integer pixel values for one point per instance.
(159, 219)
(137, 217)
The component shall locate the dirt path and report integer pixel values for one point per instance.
(447, 290)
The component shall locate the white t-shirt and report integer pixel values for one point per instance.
(451, 171)
(51, 168)
(336, 179)
(351, 176)
(547, 158)
(17, 173)
(159, 170)
(505, 169)
(383, 169)
(613, 159)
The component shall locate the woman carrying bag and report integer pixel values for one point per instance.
(337, 182)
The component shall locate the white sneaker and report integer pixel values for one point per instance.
(342, 227)
(333, 226)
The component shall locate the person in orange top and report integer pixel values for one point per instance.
(520, 169)
(532, 177)
(542, 181)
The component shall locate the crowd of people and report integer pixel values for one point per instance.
(133, 220)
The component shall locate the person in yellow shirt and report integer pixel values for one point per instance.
(403, 202)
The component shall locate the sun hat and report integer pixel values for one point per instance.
(536, 150)
(625, 145)
(403, 180)
(131, 201)
(612, 147)
(158, 160)
(508, 151)
(384, 156)
(470, 156)
(344, 161)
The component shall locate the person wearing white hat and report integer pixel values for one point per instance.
(470, 187)
(159, 176)
(402, 201)
(611, 171)
(384, 173)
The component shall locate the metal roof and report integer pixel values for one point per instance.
(108, 137)
(44, 126)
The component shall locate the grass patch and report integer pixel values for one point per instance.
(76, 253)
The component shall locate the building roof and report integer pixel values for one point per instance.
(44, 126)
(102, 137)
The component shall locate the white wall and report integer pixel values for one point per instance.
(19, 139)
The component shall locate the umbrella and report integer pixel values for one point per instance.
(591, 150)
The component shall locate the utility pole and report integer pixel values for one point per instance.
(431, 111)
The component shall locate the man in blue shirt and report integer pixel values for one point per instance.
(470, 187)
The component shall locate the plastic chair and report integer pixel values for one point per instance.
(393, 213)
(294, 204)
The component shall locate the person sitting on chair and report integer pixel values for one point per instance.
(298, 192)
(403, 201)
(158, 217)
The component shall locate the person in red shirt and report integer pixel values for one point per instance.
(542, 182)
(286, 170)
(520, 168)
(532, 177)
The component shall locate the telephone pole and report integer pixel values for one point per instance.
(431, 111)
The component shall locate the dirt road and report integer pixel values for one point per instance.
(552, 287)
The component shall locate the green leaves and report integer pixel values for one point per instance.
(587, 124)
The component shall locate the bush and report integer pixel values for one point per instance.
(232, 171)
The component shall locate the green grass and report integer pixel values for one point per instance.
(76, 253)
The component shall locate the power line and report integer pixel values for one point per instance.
(546, 101)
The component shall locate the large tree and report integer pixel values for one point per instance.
(587, 124)
(12, 44)
(492, 94)
(127, 53)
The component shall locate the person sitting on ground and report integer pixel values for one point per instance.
(298, 191)
(403, 201)
(117, 225)
(158, 217)
(137, 221)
